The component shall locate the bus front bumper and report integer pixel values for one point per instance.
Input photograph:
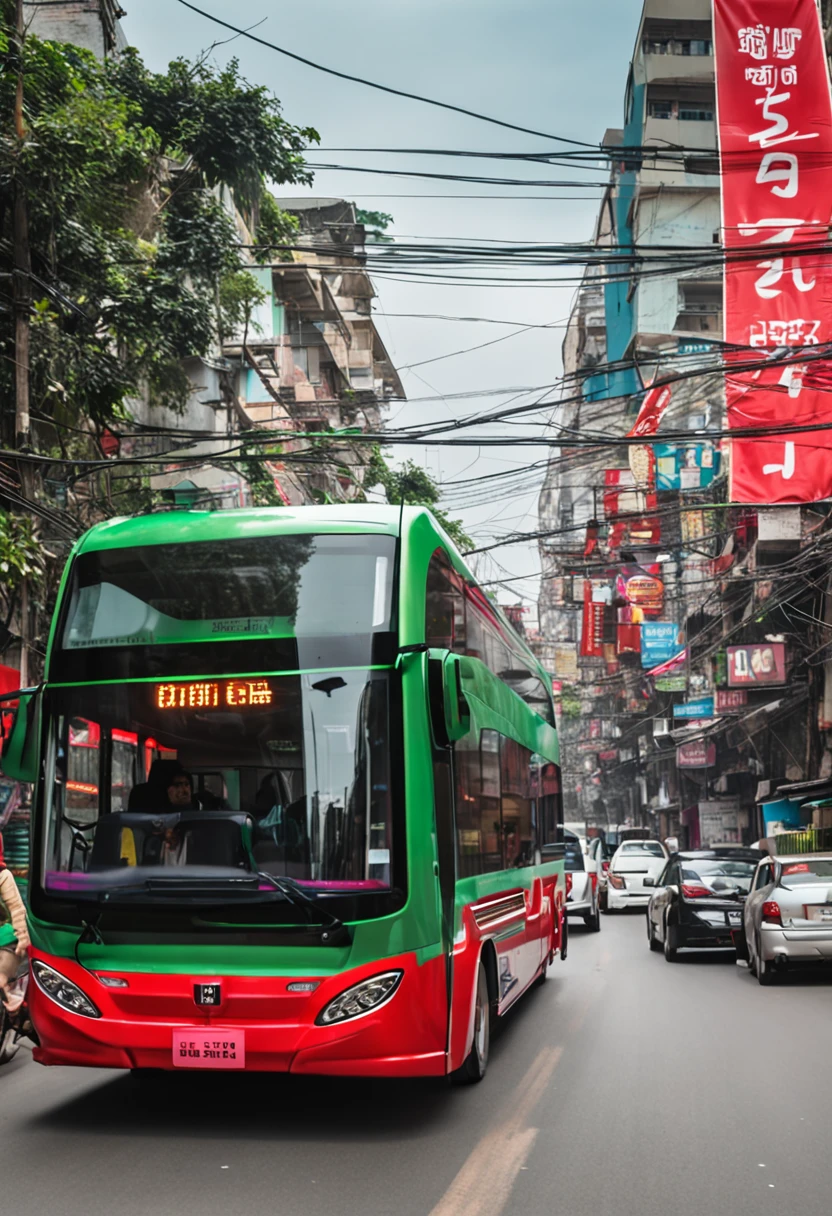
(405, 1037)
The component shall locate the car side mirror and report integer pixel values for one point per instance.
(649, 881)
(449, 709)
(19, 754)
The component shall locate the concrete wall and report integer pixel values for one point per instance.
(89, 23)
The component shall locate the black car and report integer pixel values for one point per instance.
(699, 899)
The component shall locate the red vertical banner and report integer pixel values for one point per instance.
(592, 624)
(775, 140)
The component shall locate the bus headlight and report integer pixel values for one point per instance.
(360, 999)
(62, 991)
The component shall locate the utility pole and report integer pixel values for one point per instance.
(22, 264)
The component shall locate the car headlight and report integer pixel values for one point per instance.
(360, 999)
(62, 991)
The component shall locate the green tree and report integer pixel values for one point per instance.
(21, 558)
(413, 486)
(123, 171)
(376, 224)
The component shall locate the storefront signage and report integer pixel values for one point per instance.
(702, 707)
(762, 663)
(730, 700)
(645, 592)
(701, 753)
(719, 822)
(671, 683)
(659, 642)
(685, 468)
(775, 139)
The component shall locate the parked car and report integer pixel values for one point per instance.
(581, 883)
(601, 853)
(788, 914)
(632, 862)
(697, 901)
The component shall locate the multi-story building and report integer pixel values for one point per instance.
(646, 310)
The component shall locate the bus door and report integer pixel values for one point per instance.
(445, 820)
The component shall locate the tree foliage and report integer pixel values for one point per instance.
(123, 171)
(413, 486)
(21, 557)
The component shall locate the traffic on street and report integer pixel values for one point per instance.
(415, 607)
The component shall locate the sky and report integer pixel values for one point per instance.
(559, 66)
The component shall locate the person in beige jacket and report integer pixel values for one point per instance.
(14, 934)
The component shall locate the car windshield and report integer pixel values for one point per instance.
(795, 873)
(651, 848)
(280, 775)
(719, 873)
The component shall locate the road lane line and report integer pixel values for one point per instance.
(483, 1185)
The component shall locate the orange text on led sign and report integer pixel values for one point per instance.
(232, 694)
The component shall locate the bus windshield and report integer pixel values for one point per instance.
(284, 775)
(248, 587)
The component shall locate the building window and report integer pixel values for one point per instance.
(660, 108)
(697, 46)
(687, 114)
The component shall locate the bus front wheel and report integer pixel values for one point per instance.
(477, 1060)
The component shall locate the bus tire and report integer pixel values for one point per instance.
(476, 1062)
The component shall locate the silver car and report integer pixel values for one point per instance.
(788, 913)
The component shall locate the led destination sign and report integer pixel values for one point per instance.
(220, 694)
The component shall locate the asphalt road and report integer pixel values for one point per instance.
(625, 1086)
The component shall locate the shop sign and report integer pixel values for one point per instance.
(659, 642)
(719, 822)
(592, 623)
(730, 700)
(671, 683)
(702, 707)
(685, 468)
(566, 661)
(700, 753)
(645, 592)
(775, 141)
(761, 663)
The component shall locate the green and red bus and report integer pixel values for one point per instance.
(365, 869)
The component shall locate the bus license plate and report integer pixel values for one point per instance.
(216, 1049)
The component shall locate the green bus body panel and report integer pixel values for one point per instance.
(417, 926)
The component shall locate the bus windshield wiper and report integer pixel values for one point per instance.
(333, 927)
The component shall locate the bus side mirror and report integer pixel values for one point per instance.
(449, 710)
(19, 756)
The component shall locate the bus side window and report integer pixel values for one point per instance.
(549, 803)
(516, 802)
(444, 606)
(479, 827)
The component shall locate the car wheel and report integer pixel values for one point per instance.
(652, 940)
(671, 950)
(564, 938)
(764, 969)
(473, 1069)
(602, 901)
(593, 921)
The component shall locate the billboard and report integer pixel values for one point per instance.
(702, 707)
(659, 642)
(760, 663)
(699, 754)
(775, 140)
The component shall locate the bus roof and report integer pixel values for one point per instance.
(183, 525)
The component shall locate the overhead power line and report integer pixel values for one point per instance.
(383, 88)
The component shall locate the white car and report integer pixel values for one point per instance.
(632, 862)
(581, 883)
